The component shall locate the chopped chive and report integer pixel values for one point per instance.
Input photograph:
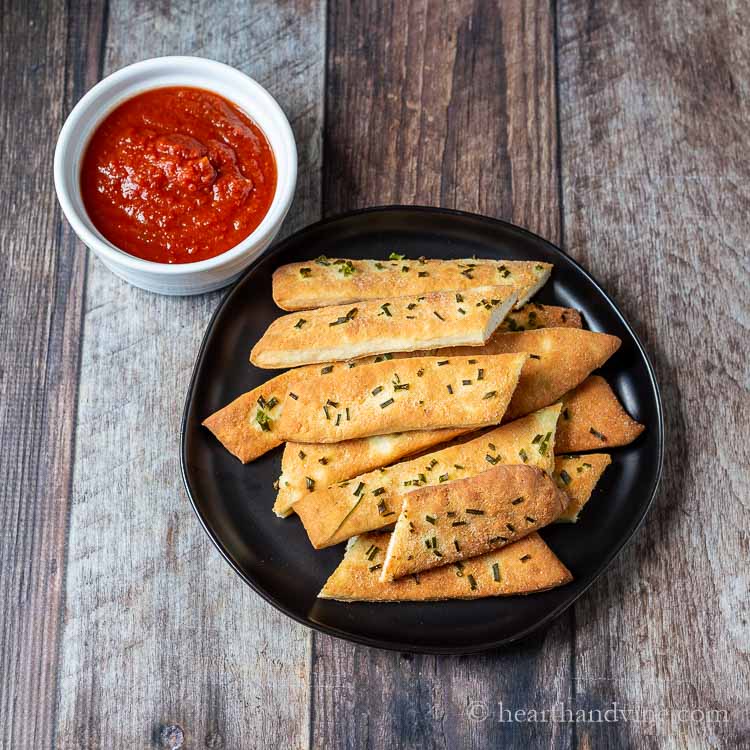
(459, 523)
(436, 553)
(334, 404)
(525, 558)
(510, 528)
(386, 311)
(386, 403)
(480, 374)
(443, 478)
(489, 394)
(496, 540)
(415, 576)
(326, 412)
(326, 370)
(378, 491)
(458, 466)
(536, 439)
(459, 569)
(467, 273)
(373, 568)
(273, 401)
(382, 357)
(466, 382)
(565, 476)
(411, 527)
(359, 489)
(503, 271)
(347, 414)
(261, 401)
(496, 572)
(430, 519)
(474, 512)
(586, 464)
(423, 273)
(534, 356)
(293, 395)
(263, 420)
(323, 461)
(450, 389)
(411, 305)
(530, 519)
(300, 323)
(565, 413)
(377, 390)
(472, 361)
(451, 514)
(438, 315)
(302, 455)
(443, 362)
(516, 501)
(322, 260)
(310, 483)
(346, 267)
(491, 446)
(382, 510)
(305, 272)
(401, 387)
(433, 463)
(372, 552)
(459, 298)
(524, 456)
(423, 478)
(455, 544)
(597, 434)
(491, 459)
(472, 582)
(420, 372)
(396, 256)
(338, 419)
(404, 269)
(462, 311)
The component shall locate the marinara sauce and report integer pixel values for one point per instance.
(177, 175)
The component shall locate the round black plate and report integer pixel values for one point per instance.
(274, 556)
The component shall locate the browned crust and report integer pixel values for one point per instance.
(328, 284)
(418, 393)
(336, 513)
(525, 567)
(394, 324)
(578, 475)
(469, 517)
(593, 418)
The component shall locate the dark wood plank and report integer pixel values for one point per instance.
(159, 631)
(42, 271)
(654, 137)
(448, 104)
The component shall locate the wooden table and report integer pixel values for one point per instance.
(619, 130)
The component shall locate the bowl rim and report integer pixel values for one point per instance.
(285, 181)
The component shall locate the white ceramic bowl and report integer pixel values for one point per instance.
(248, 95)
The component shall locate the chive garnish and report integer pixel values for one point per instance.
(450, 389)
(467, 273)
(460, 569)
(310, 483)
(386, 311)
(565, 413)
(496, 572)
(503, 271)
(334, 404)
(420, 372)
(489, 394)
(359, 489)
(411, 305)
(443, 362)
(338, 419)
(404, 269)
(496, 540)
(423, 273)
(458, 466)
(373, 568)
(377, 390)
(524, 456)
(516, 501)
(459, 523)
(326, 412)
(480, 374)
(565, 476)
(272, 402)
(472, 582)
(415, 576)
(451, 514)
(386, 403)
(381, 508)
(443, 478)
(300, 323)
(263, 420)
(455, 544)
(433, 463)
(472, 361)
(305, 272)
(597, 434)
(302, 455)
(396, 256)
(322, 260)
(401, 387)
(491, 459)
(261, 401)
(323, 461)
(536, 439)
(411, 527)
(534, 356)
(530, 519)
(347, 414)
(346, 267)
(466, 382)
(436, 553)
(430, 519)
(293, 395)
(372, 552)
(326, 370)
(462, 311)
(378, 491)
(525, 558)
(510, 528)
(474, 512)
(382, 357)
(438, 315)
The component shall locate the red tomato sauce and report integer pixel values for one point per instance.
(177, 175)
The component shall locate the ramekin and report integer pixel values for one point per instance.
(248, 95)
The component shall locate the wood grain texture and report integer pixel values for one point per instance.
(42, 271)
(158, 630)
(448, 104)
(656, 186)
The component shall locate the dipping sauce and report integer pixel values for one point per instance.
(177, 175)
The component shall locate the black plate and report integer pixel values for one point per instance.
(273, 555)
